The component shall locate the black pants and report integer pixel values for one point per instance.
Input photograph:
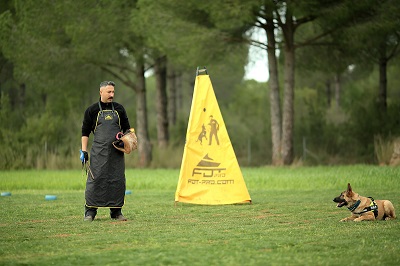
(114, 212)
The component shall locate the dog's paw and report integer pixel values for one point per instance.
(389, 218)
(348, 219)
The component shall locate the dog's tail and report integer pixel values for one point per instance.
(390, 214)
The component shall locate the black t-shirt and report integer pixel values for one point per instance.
(90, 117)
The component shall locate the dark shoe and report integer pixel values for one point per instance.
(88, 218)
(119, 218)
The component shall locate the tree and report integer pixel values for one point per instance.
(287, 17)
(275, 109)
(377, 38)
(75, 36)
(122, 48)
(160, 71)
(187, 39)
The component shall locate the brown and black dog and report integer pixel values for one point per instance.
(363, 208)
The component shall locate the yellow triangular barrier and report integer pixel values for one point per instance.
(210, 173)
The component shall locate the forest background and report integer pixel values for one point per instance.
(332, 95)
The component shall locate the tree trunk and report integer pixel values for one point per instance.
(144, 144)
(328, 92)
(382, 95)
(172, 96)
(337, 90)
(276, 124)
(288, 103)
(21, 97)
(160, 69)
(288, 108)
(179, 97)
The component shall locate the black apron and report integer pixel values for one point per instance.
(107, 187)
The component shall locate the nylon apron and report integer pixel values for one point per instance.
(107, 164)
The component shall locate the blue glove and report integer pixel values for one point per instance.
(84, 156)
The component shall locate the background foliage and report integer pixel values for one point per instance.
(53, 55)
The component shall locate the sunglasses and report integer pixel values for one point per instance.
(106, 83)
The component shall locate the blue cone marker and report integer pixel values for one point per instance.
(50, 197)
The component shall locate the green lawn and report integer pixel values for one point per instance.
(292, 221)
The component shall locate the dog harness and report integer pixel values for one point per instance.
(372, 207)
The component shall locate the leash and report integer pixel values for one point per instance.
(86, 166)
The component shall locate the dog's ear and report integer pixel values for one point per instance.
(349, 190)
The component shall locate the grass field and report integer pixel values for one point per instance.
(292, 221)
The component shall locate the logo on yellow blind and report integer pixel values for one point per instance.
(210, 173)
(208, 168)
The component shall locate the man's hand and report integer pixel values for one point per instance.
(84, 156)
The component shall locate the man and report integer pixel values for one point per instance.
(214, 127)
(105, 185)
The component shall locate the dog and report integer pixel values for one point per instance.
(202, 135)
(364, 208)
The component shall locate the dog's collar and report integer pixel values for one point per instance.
(352, 208)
